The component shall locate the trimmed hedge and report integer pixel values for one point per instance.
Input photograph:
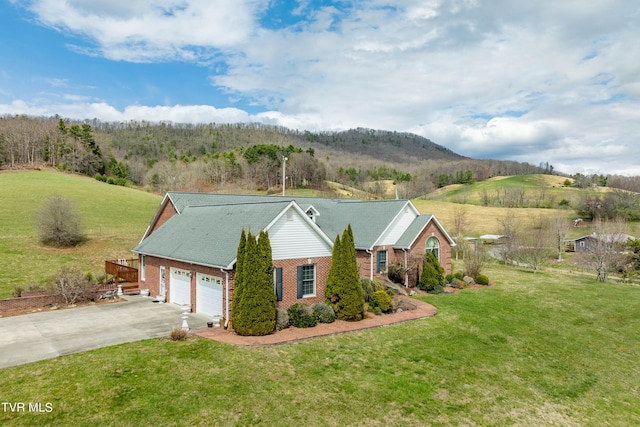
(324, 312)
(302, 316)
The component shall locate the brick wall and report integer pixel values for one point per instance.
(167, 212)
(33, 300)
(152, 278)
(290, 280)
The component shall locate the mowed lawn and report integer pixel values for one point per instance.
(532, 350)
(114, 219)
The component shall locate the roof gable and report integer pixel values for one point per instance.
(209, 235)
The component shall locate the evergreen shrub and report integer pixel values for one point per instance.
(324, 312)
(380, 301)
(282, 319)
(302, 316)
(481, 279)
(368, 287)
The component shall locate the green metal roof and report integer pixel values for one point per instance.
(207, 229)
(209, 235)
(409, 236)
(368, 219)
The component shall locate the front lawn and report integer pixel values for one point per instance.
(531, 350)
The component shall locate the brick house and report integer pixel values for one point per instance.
(188, 252)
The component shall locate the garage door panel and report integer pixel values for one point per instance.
(180, 286)
(209, 295)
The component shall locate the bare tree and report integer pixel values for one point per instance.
(474, 257)
(535, 245)
(509, 226)
(461, 221)
(560, 226)
(72, 285)
(604, 252)
(58, 222)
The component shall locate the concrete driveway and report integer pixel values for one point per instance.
(45, 335)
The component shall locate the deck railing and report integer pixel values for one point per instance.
(123, 270)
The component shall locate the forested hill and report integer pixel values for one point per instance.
(386, 145)
(393, 147)
(242, 157)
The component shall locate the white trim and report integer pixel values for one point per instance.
(143, 268)
(392, 222)
(315, 284)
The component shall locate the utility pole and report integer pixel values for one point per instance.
(284, 173)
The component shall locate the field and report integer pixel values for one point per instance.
(533, 350)
(550, 349)
(114, 219)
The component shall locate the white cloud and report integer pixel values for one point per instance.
(539, 81)
(141, 30)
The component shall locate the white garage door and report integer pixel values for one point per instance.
(208, 295)
(180, 286)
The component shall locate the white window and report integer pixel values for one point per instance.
(433, 245)
(308, 280)
(382, 261)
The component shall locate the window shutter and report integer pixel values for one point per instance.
(300, 294)
(378, 259)
(279, 283)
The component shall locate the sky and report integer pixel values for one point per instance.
(545, 81)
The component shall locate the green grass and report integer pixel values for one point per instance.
(541, 349)
(114, 219)
(552, 187)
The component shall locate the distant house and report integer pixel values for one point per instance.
(188, 252)
(586, 243)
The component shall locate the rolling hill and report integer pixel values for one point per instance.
(114, 219)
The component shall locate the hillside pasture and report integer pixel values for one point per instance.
(114, 219)
(545, 191)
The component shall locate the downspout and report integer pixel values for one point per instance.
(371, 263)
(406, 272)
(226, 305)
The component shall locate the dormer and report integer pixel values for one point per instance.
(312, 213)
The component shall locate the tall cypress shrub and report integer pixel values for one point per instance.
(255, 313)
(343, 290)
(238, 284)
(331, 290)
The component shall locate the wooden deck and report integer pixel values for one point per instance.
(125, 272)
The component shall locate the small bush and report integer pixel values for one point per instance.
(369, 287)
(458, 284)
(58, 223)
(282, 319)
(178, 334)
(380, 301)
(302, 316)
(395, 273)
(449, 278)
(458, 275)
(324, 312)
(72, 285)
(436, 290)
(481, 279)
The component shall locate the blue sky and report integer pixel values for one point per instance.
(543, 81)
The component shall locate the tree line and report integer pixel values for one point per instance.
(169, 156)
